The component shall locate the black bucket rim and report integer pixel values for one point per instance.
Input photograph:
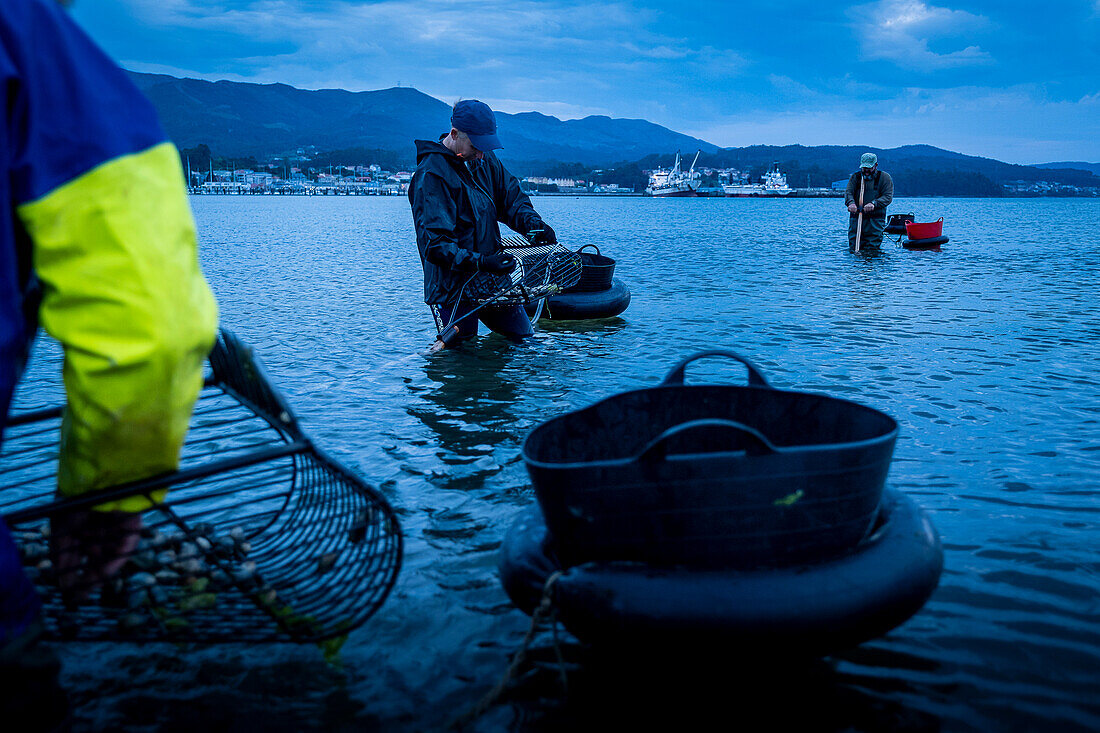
(590, 260)
(786, 450)
(595, 260)
(757, 383)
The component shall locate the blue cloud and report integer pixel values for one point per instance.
(904, 29)
(886, 72)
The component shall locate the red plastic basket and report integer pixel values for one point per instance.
(924, 231)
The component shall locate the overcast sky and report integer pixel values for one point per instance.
(1016, 80)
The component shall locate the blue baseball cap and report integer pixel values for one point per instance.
(476, 120)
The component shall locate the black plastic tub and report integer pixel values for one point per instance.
(896, 223)
(711, 475)
(596, 273)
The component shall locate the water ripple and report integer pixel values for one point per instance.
(985, 352)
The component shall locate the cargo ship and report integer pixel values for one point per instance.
(774, 184)
(674, 181)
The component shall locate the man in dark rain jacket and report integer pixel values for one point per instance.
(878, 192)
(459, 193)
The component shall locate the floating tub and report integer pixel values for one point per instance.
(926, 230)
(711, 475)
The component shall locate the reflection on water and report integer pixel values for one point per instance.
(470, 397)
(596, 326)
(873, 252)
(985, 352)
(465, 401)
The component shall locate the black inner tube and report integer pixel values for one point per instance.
(929, 242)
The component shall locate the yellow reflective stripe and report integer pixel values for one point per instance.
(123, 293)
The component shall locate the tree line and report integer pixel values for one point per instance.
(911, 178)
(201, 160)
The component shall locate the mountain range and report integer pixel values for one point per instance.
(237, 119)
(1080, 165)
(262, 120)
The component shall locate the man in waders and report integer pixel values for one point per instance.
(459, 193)
(869, 192)
(97, 245)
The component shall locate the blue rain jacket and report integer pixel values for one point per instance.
(95, 218)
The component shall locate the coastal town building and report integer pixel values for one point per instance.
(342, 181)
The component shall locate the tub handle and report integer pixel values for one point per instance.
(676, 376)
(586, 246)
(758, 444)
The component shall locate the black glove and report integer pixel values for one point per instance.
(501, 262)
(545, 235)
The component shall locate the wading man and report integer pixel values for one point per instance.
(459, 194)
(877, 189)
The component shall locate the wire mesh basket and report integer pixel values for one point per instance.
(260, 536)
(541, 270)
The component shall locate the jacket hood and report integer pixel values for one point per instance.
(424, 148)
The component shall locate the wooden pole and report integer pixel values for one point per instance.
(859, 220)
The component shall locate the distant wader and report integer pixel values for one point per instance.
(879, 189)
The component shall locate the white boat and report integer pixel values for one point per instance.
(743, 189)
(774, 184)
(674, 181)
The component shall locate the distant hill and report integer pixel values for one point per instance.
(238, 119)
(1093, 168)
(918, 170)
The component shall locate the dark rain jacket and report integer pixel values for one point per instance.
(456, 209)
(878, 190)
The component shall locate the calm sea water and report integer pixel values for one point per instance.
(986, 353)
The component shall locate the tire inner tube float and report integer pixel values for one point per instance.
(927, 243)
(598, 294)
(574, 306)
(807, 610)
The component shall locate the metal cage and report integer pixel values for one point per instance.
(259, 536)
(541, 270)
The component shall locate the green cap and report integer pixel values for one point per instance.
(868, 160)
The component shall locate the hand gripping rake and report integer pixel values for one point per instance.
(541, 270)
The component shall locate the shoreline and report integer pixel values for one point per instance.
(600, 194)
(580, 194)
